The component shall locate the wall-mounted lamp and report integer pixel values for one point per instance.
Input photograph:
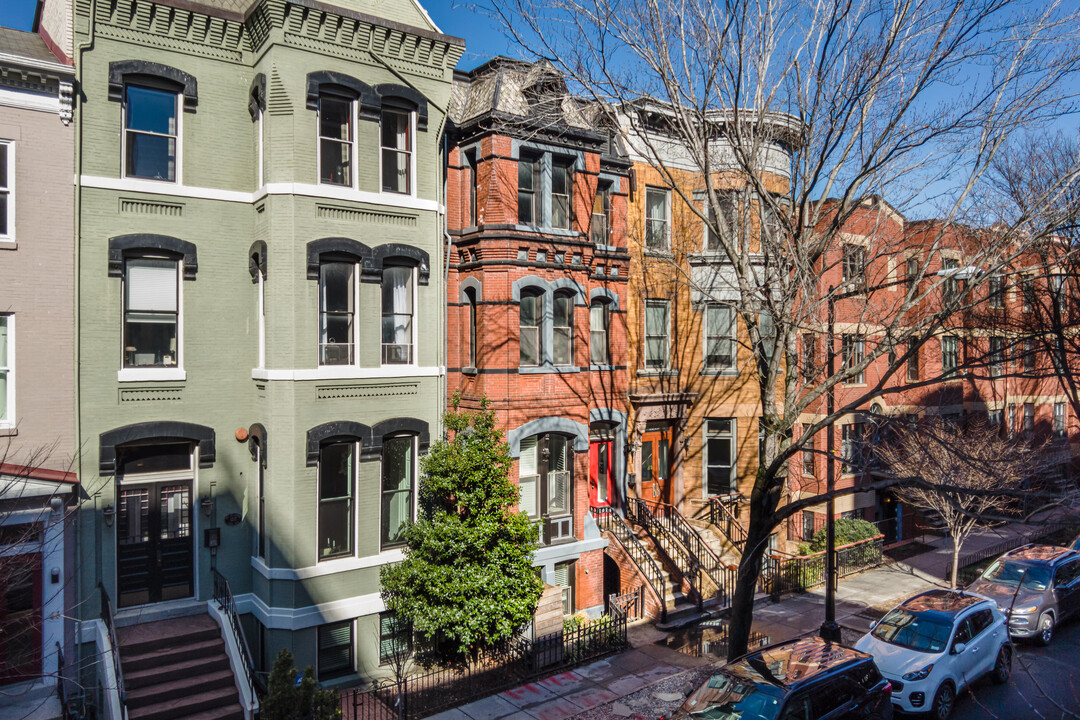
(109, 513)
(207, 505)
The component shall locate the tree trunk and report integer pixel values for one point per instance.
(956, 544)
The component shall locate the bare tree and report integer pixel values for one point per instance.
(785, 105)
(950, 461)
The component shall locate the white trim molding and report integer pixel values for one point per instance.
(278, 618)
(345, 372)
(330, 567)
(151, 374)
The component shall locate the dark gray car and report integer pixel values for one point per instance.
(1036, 586)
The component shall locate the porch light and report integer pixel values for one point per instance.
(109, 513)
(207, 505)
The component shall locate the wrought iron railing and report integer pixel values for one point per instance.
(641, 513)
(509, 665)
(802, 572)
(224, 598)
(61, 685)
(110, 627)
(677, 526)
(722, 517)
(636, 551)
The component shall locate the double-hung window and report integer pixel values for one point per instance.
(529, 210)
(563, 329)
(723, 224)
(852, 450)
(913, 361)
(808, 456)
(335, 650)
(336, 139)
(562, 194)
(337, 310)
(720, 456)
(7, 370)
(1059, 420)
(854, 267)
(951, 286)
(1029, 419)
(809, 356)
(657, 208)
(395, 639)
(657, 331)
(545, 476)
(7, 190)
(564, 579)
(398, 475)
(995, 292)
(337, 480)
(474, 179)
(997, 356)
(600, 223)
(912, 268)
(397, 151)
(151, 312)
(531, 315)
(599, 324)
(397, 315)
(1029, 355)
(950, 355)
(151, 133)
(854, 348)
(719, 337)
(470, 298)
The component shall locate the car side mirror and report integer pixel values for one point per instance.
(873, 624)
(959, 648)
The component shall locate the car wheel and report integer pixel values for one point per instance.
(1003, 665)
(943, 702)
(1046, 629)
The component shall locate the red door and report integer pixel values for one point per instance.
(655, 479)
(600, 455)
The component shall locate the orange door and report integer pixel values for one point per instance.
(655, 477)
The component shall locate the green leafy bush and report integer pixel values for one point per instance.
(847, 530)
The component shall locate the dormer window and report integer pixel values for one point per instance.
(151, 130)
(336, 134)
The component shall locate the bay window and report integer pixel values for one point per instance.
(530, 322)
(397, 151)
(600, 224)
(151, 312)
(397, 315)
(545, 477)
(563, 329)
(151, 133)
(529, 212)
(562, 174)
(599, 324)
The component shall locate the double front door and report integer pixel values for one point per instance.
(155, 552)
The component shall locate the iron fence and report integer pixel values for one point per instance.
(110, 627)
(722, 516)
(511, 664)
(983, 554)
(800, 573)
(631, 604)
(608, 521)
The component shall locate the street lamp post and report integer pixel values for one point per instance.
(830, 630)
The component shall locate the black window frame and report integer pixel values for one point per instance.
(343, 670)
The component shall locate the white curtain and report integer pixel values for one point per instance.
(397, 305)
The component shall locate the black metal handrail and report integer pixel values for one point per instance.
(722, 517)
(224, 598)
(635, 550)
(110, 627)
(688, 566)
(61, 689)
(688, 536)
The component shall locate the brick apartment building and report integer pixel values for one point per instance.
(536, 208)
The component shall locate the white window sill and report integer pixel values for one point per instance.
(658, 372)
(348, 372)
(328, 567)
(8, 430)
(151, 374)
(8, 243)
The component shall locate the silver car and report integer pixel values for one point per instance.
(1036, 586)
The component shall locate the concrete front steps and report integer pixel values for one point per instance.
(177, 669)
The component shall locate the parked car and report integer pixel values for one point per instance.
(1036, 586)
(933, 645)
(1075, 544)
(806, 679)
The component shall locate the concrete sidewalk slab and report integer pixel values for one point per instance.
(527, 695)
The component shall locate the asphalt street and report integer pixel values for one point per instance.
(1045, 683)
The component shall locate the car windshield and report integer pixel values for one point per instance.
(730, 698)
(1005, 572)
(917, 631)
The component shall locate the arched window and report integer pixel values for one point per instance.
(531, 321)
(563, 328)
(470, 299)
(546, 475)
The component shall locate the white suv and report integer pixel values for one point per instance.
(935, 644)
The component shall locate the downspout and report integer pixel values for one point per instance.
(80, 50)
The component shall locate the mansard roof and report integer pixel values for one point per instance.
(26, 45)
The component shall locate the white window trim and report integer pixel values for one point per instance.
(353, 154)
(667, 334)
(9, 236)
(260, 180)
(356, 323)
(355, 524)
(179, 179)
(261, 292)
(734, 337)
(667, 218)
(415, 489)
(733, 477)
(9, 416)
(150, 374)
(412, 154)
(415, 352)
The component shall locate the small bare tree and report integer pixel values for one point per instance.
(970, 477)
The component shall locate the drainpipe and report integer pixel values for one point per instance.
(80, 50)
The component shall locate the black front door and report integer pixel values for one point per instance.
(154, 543)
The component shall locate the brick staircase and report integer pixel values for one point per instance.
(177, 669)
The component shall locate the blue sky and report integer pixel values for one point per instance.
(483, 40)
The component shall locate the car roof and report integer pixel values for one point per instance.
(1039, 553)
(946, 603)
(790, 664)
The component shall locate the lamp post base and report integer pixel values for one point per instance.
(830, 631)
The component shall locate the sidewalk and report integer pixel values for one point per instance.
(651, 680)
